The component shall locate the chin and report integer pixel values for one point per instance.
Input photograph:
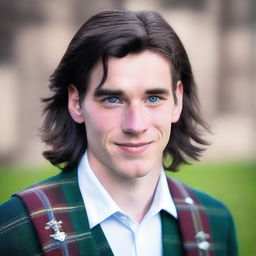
(137, 170)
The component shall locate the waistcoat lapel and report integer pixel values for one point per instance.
(172, 244)
(58, 214)
(193, 221)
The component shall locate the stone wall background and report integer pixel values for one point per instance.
(219, 37)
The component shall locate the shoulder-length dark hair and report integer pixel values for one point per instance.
(118, 33)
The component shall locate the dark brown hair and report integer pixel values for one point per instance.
(118, 33)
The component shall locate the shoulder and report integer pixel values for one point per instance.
(16, 229)
(12, 214)
(205, 199)
(59, 180)
(220, 220)
(62, 178)
(213, 207)
(216, 210)
(16, 222)
(14, 208)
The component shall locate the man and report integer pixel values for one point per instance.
(123, 98)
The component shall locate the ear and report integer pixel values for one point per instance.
(179, 102)
(73, 104)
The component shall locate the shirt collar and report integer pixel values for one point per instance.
(95, 196)
(162, 199)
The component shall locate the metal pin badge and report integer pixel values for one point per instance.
(56, 226)
(189, 200)
(202, 243)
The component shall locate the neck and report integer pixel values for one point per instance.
(133, 196)
(132, 191)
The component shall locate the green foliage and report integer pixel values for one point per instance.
(232, 183)
(15, 179)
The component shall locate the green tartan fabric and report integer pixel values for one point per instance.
(18, 235)
(193, 221)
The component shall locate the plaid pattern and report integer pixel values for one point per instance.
(40, 202)
(59, 198)
(193, 221)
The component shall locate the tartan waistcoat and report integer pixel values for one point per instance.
(58, 214)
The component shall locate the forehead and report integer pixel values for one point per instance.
(148, 68)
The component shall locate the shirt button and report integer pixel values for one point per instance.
(123, 218)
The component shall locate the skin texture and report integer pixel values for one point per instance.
(128, 124)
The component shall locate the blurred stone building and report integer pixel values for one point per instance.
(219, 37)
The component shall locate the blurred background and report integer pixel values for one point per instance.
(219, 36)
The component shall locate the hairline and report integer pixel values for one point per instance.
(106, 58)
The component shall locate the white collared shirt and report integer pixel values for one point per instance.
(125, 236)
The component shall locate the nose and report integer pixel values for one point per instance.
(135, 120)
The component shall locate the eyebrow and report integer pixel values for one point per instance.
(108, 92)
(157, 91)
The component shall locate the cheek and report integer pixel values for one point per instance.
(163, 118)
(98, 122)
(163, 123)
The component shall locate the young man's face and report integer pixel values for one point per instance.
(128, 120)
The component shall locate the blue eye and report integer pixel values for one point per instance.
(153, 99)
(111, 100)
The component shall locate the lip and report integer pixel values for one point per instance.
(134, 148)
